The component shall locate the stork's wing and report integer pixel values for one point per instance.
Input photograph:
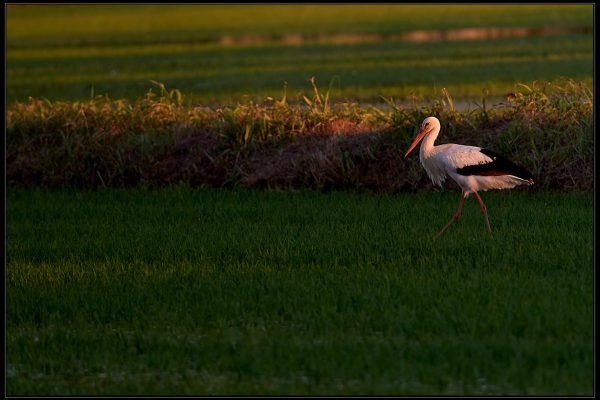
(446, 158)
(496, 165)
(456, 156)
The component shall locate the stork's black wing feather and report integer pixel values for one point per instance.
(498, 166)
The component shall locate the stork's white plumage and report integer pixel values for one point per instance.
(472, 168)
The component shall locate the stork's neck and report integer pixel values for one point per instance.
(427, 144)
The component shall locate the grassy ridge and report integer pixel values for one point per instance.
(218, 292)
(159, 141)
(70, 52)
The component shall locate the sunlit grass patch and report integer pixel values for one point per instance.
(219, 54)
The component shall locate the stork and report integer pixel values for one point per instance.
(473, 168)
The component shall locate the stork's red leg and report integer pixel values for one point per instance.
(484, 211)
(456, 215)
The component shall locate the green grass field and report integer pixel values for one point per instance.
(72, 52)
(78, 25)
(184, 291)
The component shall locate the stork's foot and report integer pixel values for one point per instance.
(487, 221)
(455, 218)
(484, 212)
(488, 228)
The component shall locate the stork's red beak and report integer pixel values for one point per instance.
(416, 141)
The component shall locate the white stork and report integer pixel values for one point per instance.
(473, 168)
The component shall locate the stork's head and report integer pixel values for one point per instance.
(428, 125)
